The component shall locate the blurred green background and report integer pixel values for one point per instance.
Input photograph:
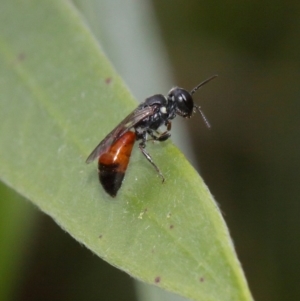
(249, 158)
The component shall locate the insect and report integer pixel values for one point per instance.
(114, 151)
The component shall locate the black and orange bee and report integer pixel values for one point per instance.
(114, 151)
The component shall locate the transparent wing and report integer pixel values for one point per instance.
(129, 122)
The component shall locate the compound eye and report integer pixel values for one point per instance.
(181, 98)
(185, 103)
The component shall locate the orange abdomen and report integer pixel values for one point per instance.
(112, 165)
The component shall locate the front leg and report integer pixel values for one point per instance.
(165, 135)
(168, 125)
(160, 137)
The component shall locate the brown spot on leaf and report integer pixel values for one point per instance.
(201, 279)
(171, 227)
(100, 236)
(18, 59)
(157, 279)
(21, 56)
(108, 80)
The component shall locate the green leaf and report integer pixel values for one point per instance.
(59, 97)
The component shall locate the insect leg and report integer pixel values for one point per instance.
(168, 125)
(142, 146)
(165, 135)
(160, 137)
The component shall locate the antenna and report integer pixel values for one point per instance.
(203, 116)
(203, 83)
(198, 107)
